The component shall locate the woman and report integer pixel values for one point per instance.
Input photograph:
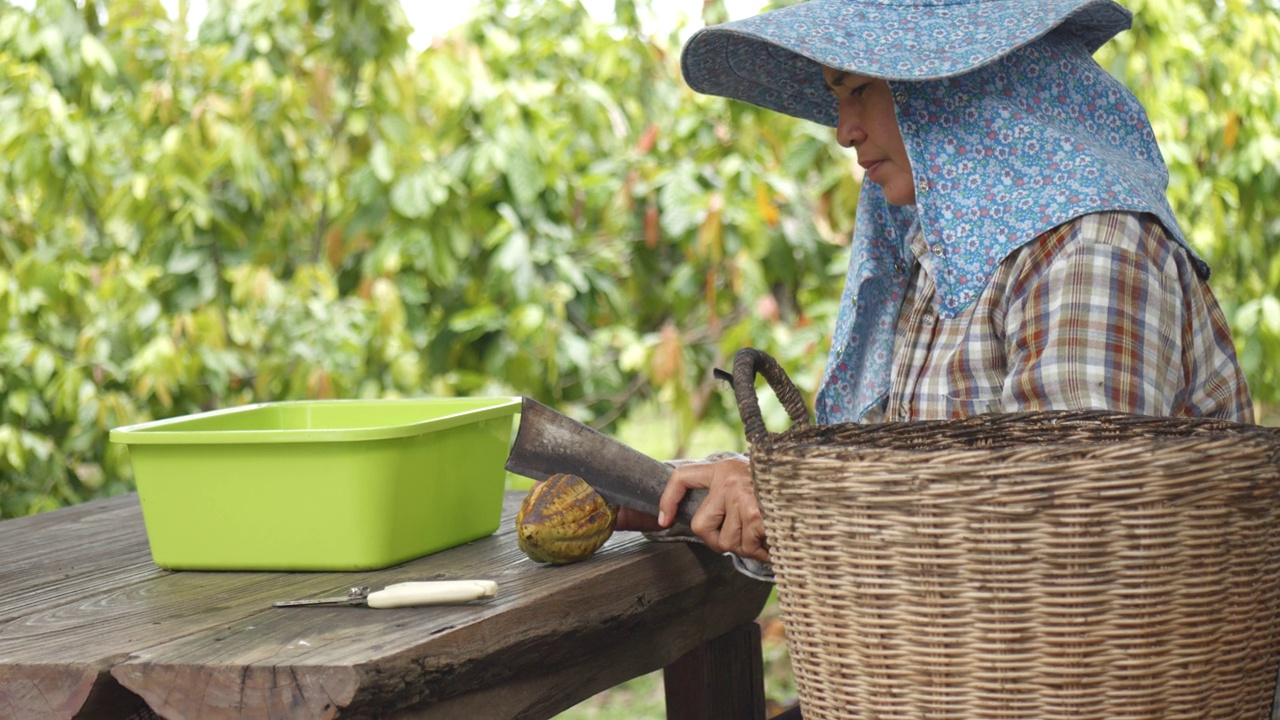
(1014, 248)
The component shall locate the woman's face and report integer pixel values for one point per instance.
(868, 123)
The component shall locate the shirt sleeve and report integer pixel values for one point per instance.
(1095, 321)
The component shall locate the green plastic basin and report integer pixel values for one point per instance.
(320, 485)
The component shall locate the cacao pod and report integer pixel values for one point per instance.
(563, 520)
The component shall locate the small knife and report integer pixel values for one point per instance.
(549, 442)
(408, 594)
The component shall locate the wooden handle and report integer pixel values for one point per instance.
(437, 592)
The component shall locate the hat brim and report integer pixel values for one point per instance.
(771, 60)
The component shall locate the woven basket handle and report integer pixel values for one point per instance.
(746, 363)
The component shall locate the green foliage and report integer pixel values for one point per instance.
(292, 203)
(1208, 72)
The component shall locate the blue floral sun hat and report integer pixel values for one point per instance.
(1010, 126)
(768, 60)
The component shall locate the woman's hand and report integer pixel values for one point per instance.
(729, 518)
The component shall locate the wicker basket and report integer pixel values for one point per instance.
(1082, 565)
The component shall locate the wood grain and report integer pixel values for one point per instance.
(52, 560)
(56, 557)
(89, 632)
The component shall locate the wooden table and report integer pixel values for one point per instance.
(91, 628)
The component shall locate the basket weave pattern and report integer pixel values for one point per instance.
(1084, 565)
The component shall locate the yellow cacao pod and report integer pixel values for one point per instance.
(563, 520)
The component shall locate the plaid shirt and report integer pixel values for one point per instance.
(1103, 312)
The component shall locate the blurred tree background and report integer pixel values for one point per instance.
(292, 202)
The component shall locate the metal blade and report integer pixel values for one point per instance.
(549, 442)
(319, 601)
(354, 596)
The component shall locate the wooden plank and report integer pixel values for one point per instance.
(65, 516)
(536, 694)
(65, 555)
(26, 539)
(722, 679)
(64, 692)
(51, 691)
(568, 669)
(114, 614)
(63, 558)
(544, 619)
(215, 634)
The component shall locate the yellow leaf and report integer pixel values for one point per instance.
(764, 202)
(711, 232)
(262, 382)
(261, 282)
(164, 394)
(666, 357)
(1231, 129)
(319, 385)
(334, 245)
(710, 283)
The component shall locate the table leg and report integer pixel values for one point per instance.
(722, 679)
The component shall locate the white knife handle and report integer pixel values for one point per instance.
(435, 592)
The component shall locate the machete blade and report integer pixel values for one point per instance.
(549, 442)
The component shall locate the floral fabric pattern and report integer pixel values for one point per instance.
(769, 59)
(999, 156)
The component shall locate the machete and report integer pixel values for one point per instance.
(549, 442)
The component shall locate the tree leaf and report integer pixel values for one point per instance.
(380, 162)
(95, 54)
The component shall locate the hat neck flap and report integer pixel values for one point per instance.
(999, 156)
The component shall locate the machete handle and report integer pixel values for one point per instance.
(689, 505)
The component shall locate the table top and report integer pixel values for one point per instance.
(91, 627)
